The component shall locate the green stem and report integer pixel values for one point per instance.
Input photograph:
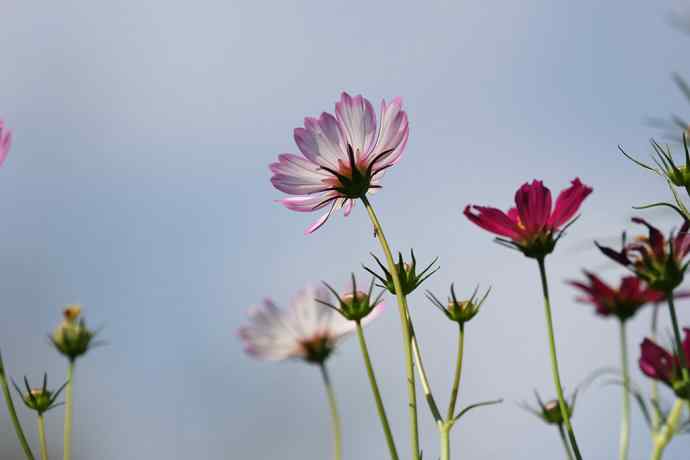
(445, 443)
(42, 437)
(426, 387)
(554, 361)
(13, 413)
(625, 421)
(458, 373)
(67, 440)
(377, 394)
(566, 446)
(335, 418)
(669, 429)
(656, 417)
(405, 324)
(676, 334)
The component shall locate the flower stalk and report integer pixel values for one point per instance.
(458, 372)
(42, 437)
(663, 438)
(69, 398)
(624, 442)
(676, 335)
(554, 361)
(335, 418)
(12, 412)
(566, 446)
(405, 324)
(377, 394)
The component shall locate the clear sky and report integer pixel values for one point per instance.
(138, 186)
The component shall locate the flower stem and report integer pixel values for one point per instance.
(554, 361)
(656, 417)
(458, 373)
(13, 413)
(405, 324)
(445, 443)
(67, 439)
(426, 387)
(377, 394)
(42, 437)
(335, 418)
(625, 421)
(566, 446)
(676, 334)
(669, 429)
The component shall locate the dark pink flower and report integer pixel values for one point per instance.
(532, 226)
(343, 156)
(5, 141)
(659, 364)
(622, 302)
(658, 262)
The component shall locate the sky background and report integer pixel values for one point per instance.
(138, 186)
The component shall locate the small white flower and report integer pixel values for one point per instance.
(307, 329)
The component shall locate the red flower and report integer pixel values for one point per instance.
(622, 302)
(659, 364)
(653, 259)
(532, 226)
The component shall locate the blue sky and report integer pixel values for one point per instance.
(138, 186)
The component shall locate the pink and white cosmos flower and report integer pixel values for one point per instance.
(5, 141)
(343, 156)
(306, 330)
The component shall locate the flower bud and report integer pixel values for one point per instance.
(354, 305)
(550, 412)
(39, 399)
(456, 310)
(72, 338)
(407, 274)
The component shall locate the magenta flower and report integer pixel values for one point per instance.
(532, 226)
(659, 364)
(307, 330)
(623, 302)
(343, 156)
(5, 141)
(659, 262)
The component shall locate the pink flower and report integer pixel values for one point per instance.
(622, 302)
(532, 226)
(343, 156)
(307, 330)
(659, 364)
(5, 141)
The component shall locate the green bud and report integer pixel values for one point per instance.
(460, 311)
(407, 274)
(39, 399)
(681, 388)
(354, 305)
(72, 338)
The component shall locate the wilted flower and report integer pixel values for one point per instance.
(39, 399)
(5, 141)
(658, 262)
(456, 310)
(622, 302)
(407, 274)
(550, 412)
(355, 305)
(343, 156)
(659, 364)
(72, 338)
(306, 330)
(532, 226)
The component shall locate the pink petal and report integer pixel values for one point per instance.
(568, 203)
(357, 122)
(393, 134)
(533, 202)
(322, 220)
(306, 203)
(321, 141)
(493, 220)
(5, 142)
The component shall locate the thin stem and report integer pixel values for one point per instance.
(554, 361)
(335, 418)
(566, 446)
(445, 443)
(377, 395)
(405, 324)
(669, 429)
(42, 437)
(458, 373)
(13, 414)
(676, 334)
(656, 419)
(67, 439)
(624, 442)
(426, 387)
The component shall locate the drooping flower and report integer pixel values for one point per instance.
(343, 156)
(5, 141)
(659, 364)
(532, 226)
(658, 262)
(622, 302)
(306, 330)
(407, 274)
(459, 311)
